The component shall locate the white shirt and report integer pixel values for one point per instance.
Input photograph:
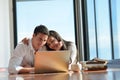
(23, 55)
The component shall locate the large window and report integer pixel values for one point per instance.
(95, 30)
(55, 14)
(103, 28)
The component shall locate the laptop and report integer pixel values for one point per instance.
(51, 61)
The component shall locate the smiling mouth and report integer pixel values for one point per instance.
(55, 46)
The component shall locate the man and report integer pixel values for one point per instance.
(22, 59)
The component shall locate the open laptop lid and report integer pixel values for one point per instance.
(51, 61)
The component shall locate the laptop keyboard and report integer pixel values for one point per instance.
(114, 63)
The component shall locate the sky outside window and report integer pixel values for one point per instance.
(55, 14)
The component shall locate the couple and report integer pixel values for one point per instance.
(22, 58)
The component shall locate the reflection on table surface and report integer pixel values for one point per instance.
(52, 76)
(110, 74)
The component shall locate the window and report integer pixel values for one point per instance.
(55, 14)
(103, 28)
(95, 29)
(115, 14)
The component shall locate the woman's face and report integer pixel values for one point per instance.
(53, 43)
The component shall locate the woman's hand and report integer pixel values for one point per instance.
(25, 41)
(76, 67)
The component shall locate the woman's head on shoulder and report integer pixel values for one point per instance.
(55, 41)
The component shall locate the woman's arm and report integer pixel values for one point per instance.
(73, 52)
(25, 41)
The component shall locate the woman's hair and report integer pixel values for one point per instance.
(59, 38)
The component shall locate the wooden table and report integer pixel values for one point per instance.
(109, 74)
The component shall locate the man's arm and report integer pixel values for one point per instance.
(26, 70)
(16, 59)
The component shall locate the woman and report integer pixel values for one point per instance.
(56, 42)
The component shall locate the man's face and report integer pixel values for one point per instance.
(39, 40)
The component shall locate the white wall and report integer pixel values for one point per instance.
(6, 32)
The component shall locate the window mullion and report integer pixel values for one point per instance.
(96, 29)
(111, 31)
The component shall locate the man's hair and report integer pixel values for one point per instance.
(41, 29)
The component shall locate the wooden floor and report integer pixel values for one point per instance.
(109, 74)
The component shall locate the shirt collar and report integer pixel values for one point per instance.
(30, 45)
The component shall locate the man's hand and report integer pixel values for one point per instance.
(26, 70)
